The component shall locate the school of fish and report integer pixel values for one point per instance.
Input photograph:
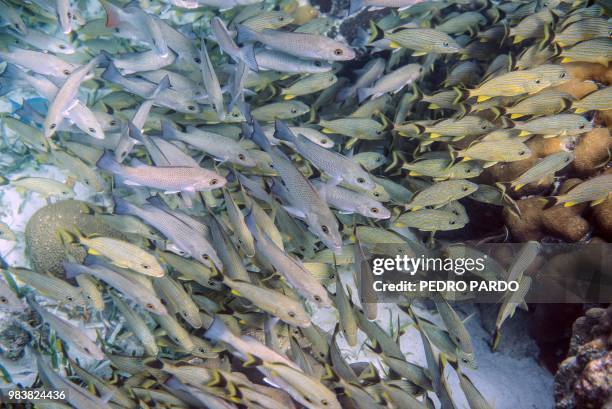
(246, 153)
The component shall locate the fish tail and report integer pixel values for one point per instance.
(112, 74)
(153, 363)
(245, 34)
(107, 162)
(376, 33)
(248, 56)
(112, 14)
(252, 361)
(217, 330)
(462, 95)
(551, 201)
(122, 206)
(418, 94)
(259, 137)
(168, 131)
(549, 36)
(497, 112)
(355, 6)
(282, 132)
(364, 93)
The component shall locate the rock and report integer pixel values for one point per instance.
(527, 226)
(592, 150)
(584, 379)
(43, 245)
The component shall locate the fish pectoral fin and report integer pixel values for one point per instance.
(482, 98)
(569, 204)
(489, 164)
(419, 53)
(288, 97)
(524, 133)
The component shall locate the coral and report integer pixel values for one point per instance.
(583, 71)
(592, 151)
(584, 379)
(577, 88)
(45, 250)
(534, 222)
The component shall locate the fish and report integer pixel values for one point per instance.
(303, 45)
(50, 286)
(545, 103)
(595, 50)
(313, 83)
(442, 193)
(127, 286)
(9, 301)
(421, 40)
(280, 110)
(137, 325)
(393, 82)
(268, 19)
(494, 151)
(596, 101)
(227, 44)
(457, 331)
(595, 190)
(65, 96)
(273, 302)
(68, 332)
(166, 178)
(555, 125)
(282, 62)
(349, 201)
(429, 220)
(76, 396)
(121, 253)
(178, 300)
(292, 270)
(338, 167)
(91, 291)
(38, 62)
(581, 30)
(359, 128)
(545, 168)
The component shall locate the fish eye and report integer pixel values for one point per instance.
(213, 182)
(92, 130)
(537, 81)
(374, 210)
(66, 72)
(62, 47)
(521, 153)
(302, 248)
(205, 256)
(52, 126)
(445, 44)
(86, 350)
(281, 18)
(581, 126)
(150, 306)
(294, 110)
(191, 107)
(241, 156)
(113, 123)
(338, 51)
(291, 314)
(465, 188)
(378, 159)
(325, 229)
(235, 114)
(146, 266)
(323, 141)
(184, 313)
(464, 360)
(211, 282)
(70, 298)
(484, 126)
(3, 300)
(562, 75)
(317, 298)
(69, 14)
(468, 170)
(451, 222)
(86, 182)
(421, 69)
(378, 132)
(376, 194)
(360, 180)
(117, 30)
(324, 402)
(197, 60)
(317, 63)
